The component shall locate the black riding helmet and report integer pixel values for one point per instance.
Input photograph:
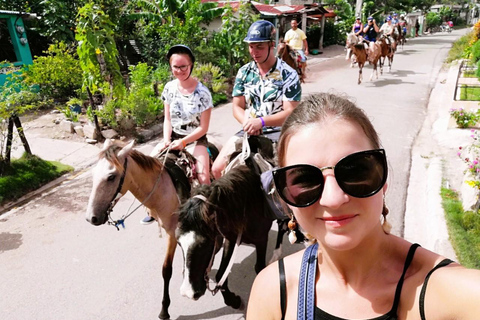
(181, 49)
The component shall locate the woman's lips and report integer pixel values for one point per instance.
(338, 221)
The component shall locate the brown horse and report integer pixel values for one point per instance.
(123, 169)
(387, 51)
(291, 57)
(362, 56)
(400, 38)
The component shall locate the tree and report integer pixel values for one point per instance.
(15, 99)
(98, 54)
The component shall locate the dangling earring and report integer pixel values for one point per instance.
(386, 226)
(292, 225)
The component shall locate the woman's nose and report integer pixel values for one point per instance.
(332, 196)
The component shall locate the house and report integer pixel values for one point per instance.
(281, 15)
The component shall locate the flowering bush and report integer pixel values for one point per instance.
(463, 118)
(475, 33)
(471, 156)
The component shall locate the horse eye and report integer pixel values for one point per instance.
(111, 177)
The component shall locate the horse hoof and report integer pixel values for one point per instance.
(242, 305)
(236, 303)
(163, 315)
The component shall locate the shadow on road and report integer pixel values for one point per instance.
(388, 82)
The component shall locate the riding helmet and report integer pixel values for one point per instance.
(389, 18)
(370, 18)
(260, 31)
(182, 49)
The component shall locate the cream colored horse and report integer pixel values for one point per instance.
(123, 169)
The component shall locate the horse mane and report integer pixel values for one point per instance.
(194, 213)
(360, 52)
(144, 161)
(237, 194)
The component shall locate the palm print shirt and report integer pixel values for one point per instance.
(185, 110)
(265, 96)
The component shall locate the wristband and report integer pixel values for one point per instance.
(263, 122)
(184, 143)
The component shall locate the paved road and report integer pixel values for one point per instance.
(54, 265)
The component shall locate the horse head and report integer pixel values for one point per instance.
(352, 40)
(108, 176)
(199, 240)
(222, 210)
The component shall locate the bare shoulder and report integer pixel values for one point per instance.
(452, 291)
(264, 301)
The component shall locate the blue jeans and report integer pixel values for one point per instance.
(303, 58)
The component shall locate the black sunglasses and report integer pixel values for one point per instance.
(360, 175)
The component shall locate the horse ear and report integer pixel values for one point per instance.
(107, 144)
(126, 150)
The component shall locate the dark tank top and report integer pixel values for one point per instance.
(392, 314)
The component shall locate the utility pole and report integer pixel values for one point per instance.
(358, 8)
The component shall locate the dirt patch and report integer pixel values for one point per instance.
(45, 124)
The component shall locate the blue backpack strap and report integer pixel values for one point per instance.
(306, 284)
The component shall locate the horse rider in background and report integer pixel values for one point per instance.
(357, 28)
(370, 32)
(403, 24)
(388, 30)
(297, 40)
(265, 92)
(395, 19)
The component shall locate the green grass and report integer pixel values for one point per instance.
(463, 228)
(469, 93)
(27, 174)
(458, 48)
(469, 74)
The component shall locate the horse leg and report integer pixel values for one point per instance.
(261, 248)
(381, 61)
(167, 275)
(360, 77)
(348, 55)
(230, 298)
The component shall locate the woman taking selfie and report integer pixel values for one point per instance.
(333, 175)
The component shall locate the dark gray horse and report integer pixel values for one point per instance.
(231, 206)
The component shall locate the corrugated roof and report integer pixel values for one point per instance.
(277, 10)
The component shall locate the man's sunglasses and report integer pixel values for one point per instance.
(360, 175)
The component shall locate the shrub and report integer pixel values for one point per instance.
(211, 76)
(433, 19)
(471, 222)
(58, 74)
(463, 118)
(475, 52)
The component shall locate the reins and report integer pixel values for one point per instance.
(121, 221)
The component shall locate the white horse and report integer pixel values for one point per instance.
(352, 40)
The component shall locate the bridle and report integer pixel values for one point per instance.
(116, 197)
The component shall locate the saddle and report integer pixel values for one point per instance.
(257, 153)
